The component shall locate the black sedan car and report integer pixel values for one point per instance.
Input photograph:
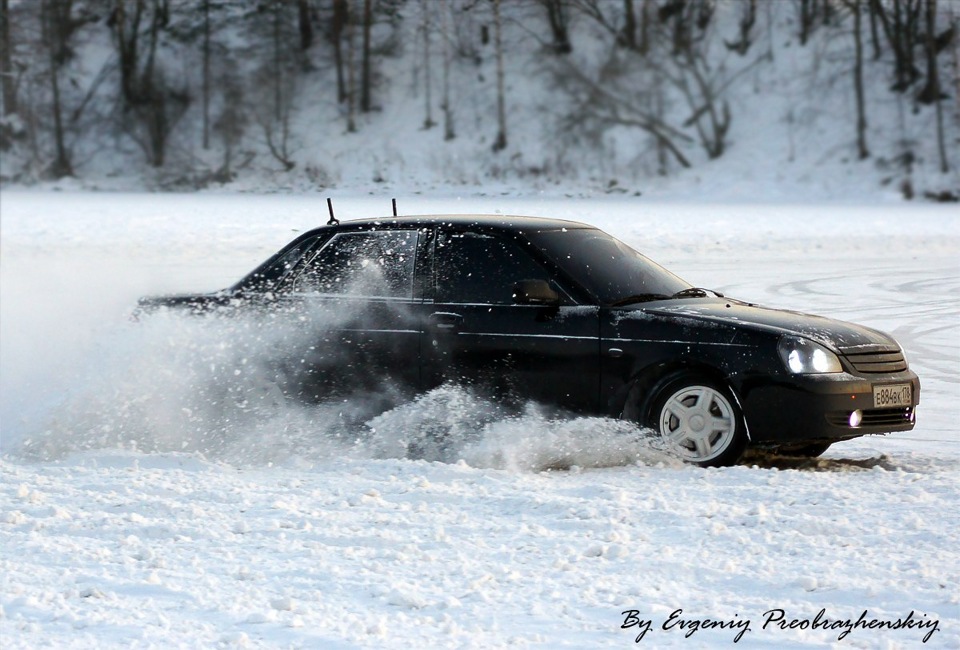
(562, 313)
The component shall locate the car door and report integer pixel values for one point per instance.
(360, 321)
(477, 335)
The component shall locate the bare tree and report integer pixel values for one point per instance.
(700, 77)
(428, 122)
(628, 35)
(874, 31)
(558, 17)
(351, 88)
(206, 74)
(747, 21)
(687, 21)
(366, 80)
(335, 31)
(931, 92)
(806, 15)
(607, 99)
(704, 92)
(51, 14)
(277, 136)
(305, 24)
(278, 60)
(448, 131)
(501, 142)
(857, 9)
(230, 124)
(7, 75)
(810, 15)
(900, 22)
(154, 102)
(277, 79)
(126, 29)
(646, 87)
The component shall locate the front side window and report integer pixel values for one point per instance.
(478, 268)
(372, 264)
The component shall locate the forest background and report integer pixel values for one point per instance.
(707, 99)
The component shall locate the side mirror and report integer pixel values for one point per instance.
(535, 292)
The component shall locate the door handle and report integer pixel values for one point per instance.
(444, 320)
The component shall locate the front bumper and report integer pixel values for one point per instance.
(817, 408)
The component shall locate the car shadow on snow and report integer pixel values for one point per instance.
(770, 460)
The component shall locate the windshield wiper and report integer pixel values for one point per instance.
(690, 292)
(695, 292)
(639, 297)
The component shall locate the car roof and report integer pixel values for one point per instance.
(491, 221)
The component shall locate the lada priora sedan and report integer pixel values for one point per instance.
(564, 314)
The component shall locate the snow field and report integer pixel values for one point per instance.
(115, 548)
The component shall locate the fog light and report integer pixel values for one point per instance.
(856, 418)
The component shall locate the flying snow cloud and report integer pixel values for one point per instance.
(228, 386)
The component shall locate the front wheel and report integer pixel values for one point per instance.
(699, 420)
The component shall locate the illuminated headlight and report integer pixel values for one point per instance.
(804, 357)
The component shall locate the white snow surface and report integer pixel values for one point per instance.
(143, 505)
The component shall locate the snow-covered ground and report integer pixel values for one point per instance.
(125, 523)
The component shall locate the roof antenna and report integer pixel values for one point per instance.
(333, 220)
(394, 207)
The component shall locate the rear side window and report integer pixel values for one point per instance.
(371, 264)
(479, 268)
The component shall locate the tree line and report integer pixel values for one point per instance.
(203, 76)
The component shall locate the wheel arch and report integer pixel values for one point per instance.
(646, 384)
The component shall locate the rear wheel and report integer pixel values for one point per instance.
(699, 420)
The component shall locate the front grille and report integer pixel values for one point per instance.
(872, 363)
(884, 417)
(874, 417)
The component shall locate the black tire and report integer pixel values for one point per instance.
(698, 419)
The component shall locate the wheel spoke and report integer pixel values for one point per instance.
(698, 394)
(671, 410)
(703, 447)
(720, 424)
(705, 402)
(677, 408)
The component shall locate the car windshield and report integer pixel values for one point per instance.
(607, 267)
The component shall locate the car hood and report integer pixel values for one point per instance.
(193, 302)
(840, 336)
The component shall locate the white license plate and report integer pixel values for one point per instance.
(892, 395)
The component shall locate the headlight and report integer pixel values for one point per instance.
(804, 357)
